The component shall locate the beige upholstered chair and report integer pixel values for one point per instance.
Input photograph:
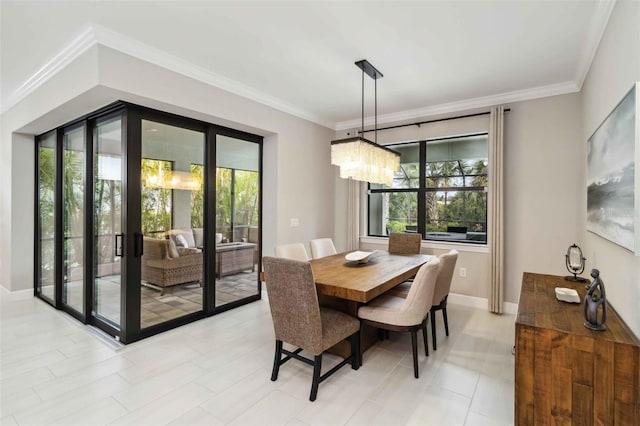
(295, 251)
(441, 293)
(410, 314)
(322, 247)
(443, 285)
(404, 243)
(300, 321)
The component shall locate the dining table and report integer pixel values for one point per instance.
(335, 276)
(346, 285)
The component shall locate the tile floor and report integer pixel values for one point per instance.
(216, 371)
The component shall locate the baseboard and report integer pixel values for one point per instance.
(480, 303)
(16, 295)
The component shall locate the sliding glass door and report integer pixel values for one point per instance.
(46, 219)
(73, 217)
(237, 219)
(171, 182)
(108, 238)
(146, 220)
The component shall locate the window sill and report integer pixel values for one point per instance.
(430, 244)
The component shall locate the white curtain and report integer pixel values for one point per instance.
(353, 216)
(496, 209)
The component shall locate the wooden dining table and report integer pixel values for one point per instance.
(362, 282)
(346, 285)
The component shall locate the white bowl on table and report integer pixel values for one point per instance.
(359, 256)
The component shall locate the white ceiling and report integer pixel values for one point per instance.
(298, 56)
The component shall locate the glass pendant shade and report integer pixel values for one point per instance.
(363, 160)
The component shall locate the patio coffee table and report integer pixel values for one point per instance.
(232, 258)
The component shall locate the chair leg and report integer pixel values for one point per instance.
(433, 329)
(446, 323)
(414, 347)
(424, 337)
(355, 350)
(317, 366)
(276, 361)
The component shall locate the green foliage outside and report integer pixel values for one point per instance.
(197, 198)
(443, 208)
(243, 185)
(156, 202)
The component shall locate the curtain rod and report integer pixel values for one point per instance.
(431, 121)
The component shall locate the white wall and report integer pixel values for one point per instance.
(298, 178)
(17, 154)
(615, 68)
(543, 187)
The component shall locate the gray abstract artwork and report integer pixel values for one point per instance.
(611, 174)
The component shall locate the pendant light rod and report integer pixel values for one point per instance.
(362, 101)
(372, 72)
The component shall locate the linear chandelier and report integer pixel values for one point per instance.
(174, 179)
(360, 158)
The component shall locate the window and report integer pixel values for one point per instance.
(440, 191)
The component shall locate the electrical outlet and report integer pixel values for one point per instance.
(294, 222)
(463, 272)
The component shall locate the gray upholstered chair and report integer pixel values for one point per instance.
(300, 321)
(404, 243)
(322, 247)
(295, 251)
(441, 293)
(410, 314)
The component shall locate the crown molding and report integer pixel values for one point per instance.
(137, 49)
(467, 104)
(95, 34)
(60, 60)
(598, 25)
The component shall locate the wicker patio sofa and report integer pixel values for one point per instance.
(164, 265)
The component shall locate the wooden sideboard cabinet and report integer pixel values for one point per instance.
(566, 373)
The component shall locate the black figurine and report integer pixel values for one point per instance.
(595, 298)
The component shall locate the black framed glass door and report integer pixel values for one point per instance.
(46, 258)
(108, 235)
(146, 220)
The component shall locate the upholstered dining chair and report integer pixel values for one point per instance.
(322, 247)
(404, 243)
(300, 321)
(440, 294)
(410, 314)
(295, 251)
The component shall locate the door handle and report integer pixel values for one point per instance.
(138, 247)
(118, 245)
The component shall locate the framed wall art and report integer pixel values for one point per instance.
(611, 176)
